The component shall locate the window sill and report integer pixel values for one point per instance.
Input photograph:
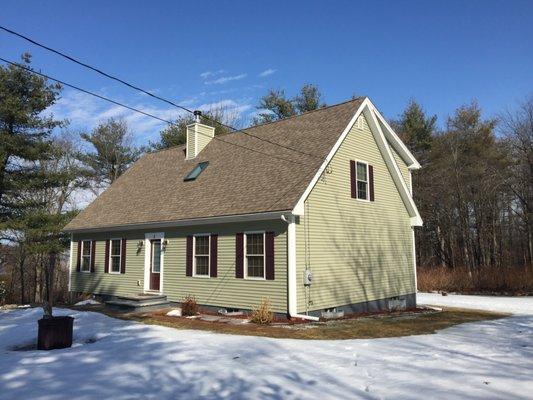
(114, 273)
(201, 276)
(250, 278)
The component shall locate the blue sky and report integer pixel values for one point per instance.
(442, 53)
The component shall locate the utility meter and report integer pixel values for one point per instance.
(308, 277)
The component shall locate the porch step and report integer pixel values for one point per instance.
(138, 303)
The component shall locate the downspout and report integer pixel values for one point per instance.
(291, 269)
(413, 235)
(70, 263)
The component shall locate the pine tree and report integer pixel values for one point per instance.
(112, 153)
(24, 136)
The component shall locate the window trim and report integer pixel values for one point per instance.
(110, 269)
(245, 251)
(367, 200)
(90, 255)
(194, 274)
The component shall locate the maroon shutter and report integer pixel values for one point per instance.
(188, 257)
(78, 260)
(106, 262)
(371, 181)
(213, 256)
(353, 183)
(123, 256)
(239, 255)
(269, 255)
(93, 254)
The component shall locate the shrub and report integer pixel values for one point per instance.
(482, 280)
(189, 306)
(3, 292)
(262, 314)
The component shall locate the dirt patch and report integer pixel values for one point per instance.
(365, 327)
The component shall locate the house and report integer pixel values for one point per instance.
(313, 212)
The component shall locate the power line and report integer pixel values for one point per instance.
(132, 86)
(140, 111)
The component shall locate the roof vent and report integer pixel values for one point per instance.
(198, 136)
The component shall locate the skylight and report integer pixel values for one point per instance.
(191, 176)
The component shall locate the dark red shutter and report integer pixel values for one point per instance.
(78, 260)
(371, 181)
(214, 256)
(93, 254)
(123, 256)
(106, 262)
(188, 257)
(353, 184)
(269, 255)
(239, 255)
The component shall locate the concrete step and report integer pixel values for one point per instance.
(138, 303)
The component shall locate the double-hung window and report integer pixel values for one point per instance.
(362, 180)
(115, 255)
(255, 255)
(86, 255)
(201, 255)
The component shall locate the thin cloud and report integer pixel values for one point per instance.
(267, 72)
(226, 79)
(85, 112)
(209, 74)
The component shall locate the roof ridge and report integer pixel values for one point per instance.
(304, 113)
(268, 123)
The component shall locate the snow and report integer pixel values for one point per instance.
(513, 305)
(88, 302)
(174, 313)
(119, 359)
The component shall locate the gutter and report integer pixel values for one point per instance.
(183, 222)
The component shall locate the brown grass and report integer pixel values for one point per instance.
(484, 280)
(379, 326)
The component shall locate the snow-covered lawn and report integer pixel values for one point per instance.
(513, 305)
(127, 360)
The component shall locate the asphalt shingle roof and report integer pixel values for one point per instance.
(237, 180)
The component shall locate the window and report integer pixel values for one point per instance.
(86, 254)
(255, 255)
(362, 180)
(115, 254)
(201, 255)
(191, 176)
(156, 256)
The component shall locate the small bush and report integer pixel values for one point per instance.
(262, 314)
(3, 292)
(189, 306)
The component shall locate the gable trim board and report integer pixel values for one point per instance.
(369, 111)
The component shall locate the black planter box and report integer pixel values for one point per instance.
(55, 333)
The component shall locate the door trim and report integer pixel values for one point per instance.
(148, 258)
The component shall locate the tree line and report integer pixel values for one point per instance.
(474, 191)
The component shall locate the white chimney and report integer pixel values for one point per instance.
(198, 136)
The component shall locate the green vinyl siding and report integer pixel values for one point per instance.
(101, 283)
(205, 134)
(223, 291)
(358, 251)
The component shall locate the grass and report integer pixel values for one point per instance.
(489, 280)
(367, 327)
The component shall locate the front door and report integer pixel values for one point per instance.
(155, 264)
